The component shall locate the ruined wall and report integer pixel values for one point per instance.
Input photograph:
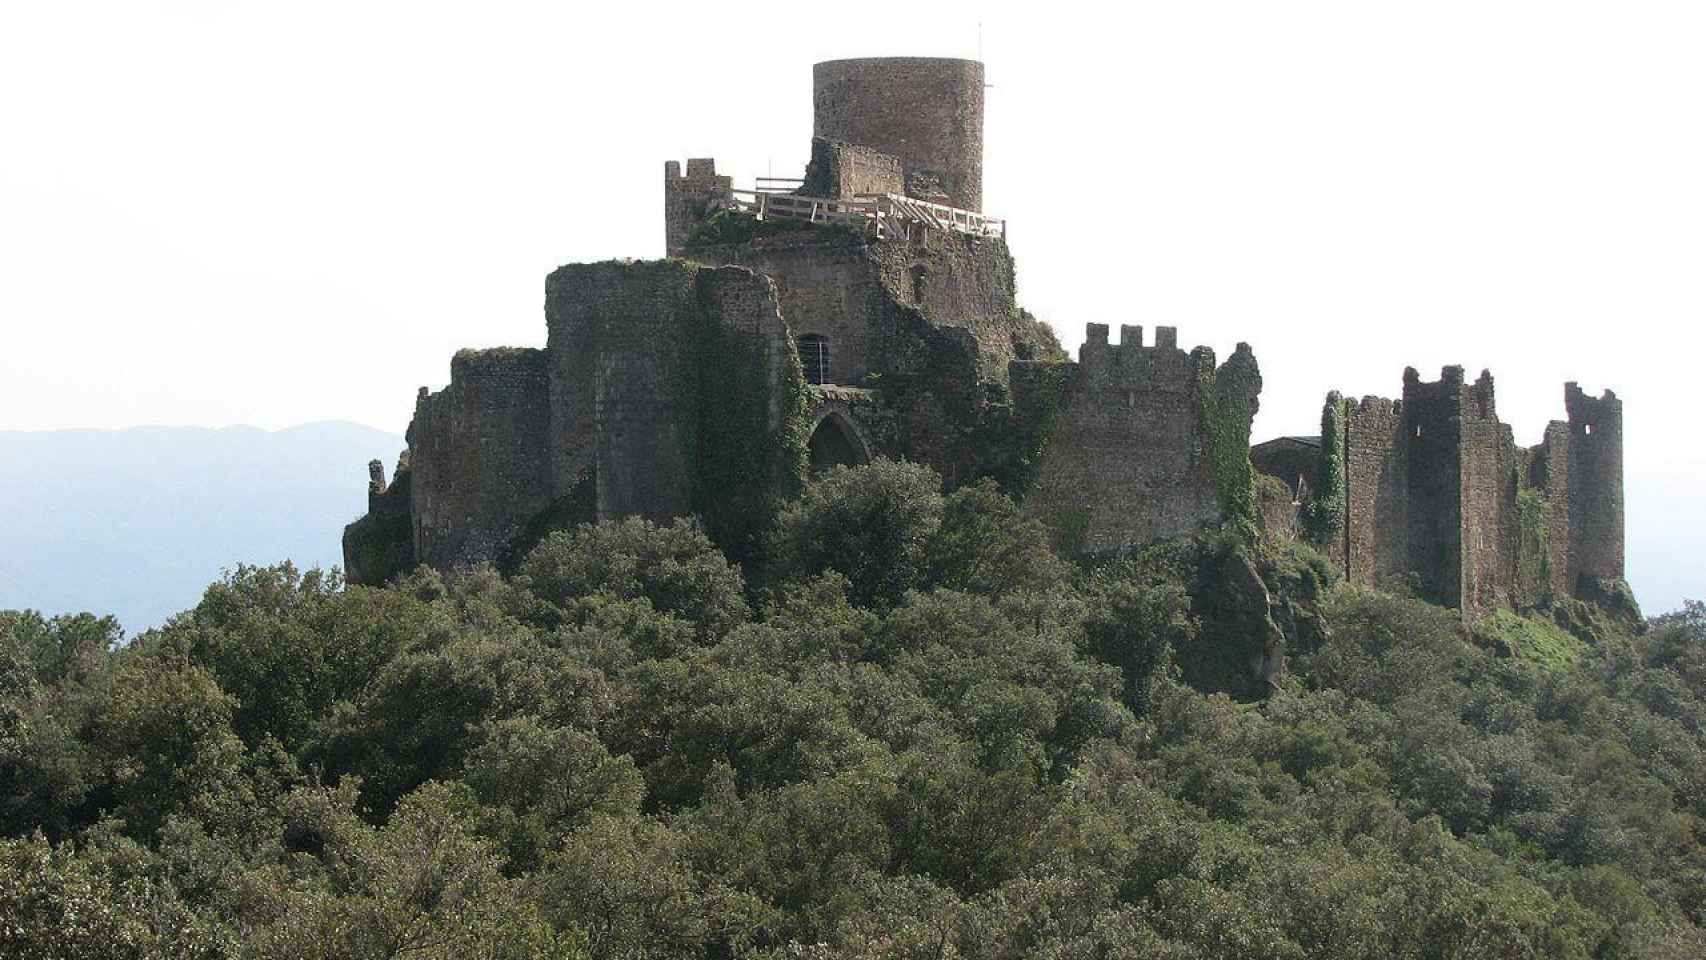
(844, 170)
(1293, 461)
(1376, 546)
(1488, 510)
(1433, 435)
(381, 544)
(614, 330)
(926, 111)
(828, 284)
(844, 287)
(1439, 498)
(1130, 435)
(688, 198)
(1596, 485)
(1579, 466)
(958, 281)
(479, 455)
(675, 389)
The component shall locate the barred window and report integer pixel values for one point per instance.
(814, 357)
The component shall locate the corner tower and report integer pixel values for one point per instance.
(926, 111)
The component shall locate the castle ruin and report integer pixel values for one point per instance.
(1430, 494)
(867, 308)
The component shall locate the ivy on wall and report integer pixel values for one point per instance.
(740, 469)
(1015, 432)
(1224, 413)
(1324, 517)
(1533, 563)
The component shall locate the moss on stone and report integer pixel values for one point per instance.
(1533, 563)
(1511, 634)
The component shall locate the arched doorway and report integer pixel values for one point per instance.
(835, 441)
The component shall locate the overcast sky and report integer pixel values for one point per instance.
(271, 213)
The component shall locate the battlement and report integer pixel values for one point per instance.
(690, 197)
(1160, 365)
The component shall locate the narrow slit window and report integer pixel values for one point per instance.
(814, 357)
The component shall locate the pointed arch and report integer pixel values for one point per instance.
(836, 440)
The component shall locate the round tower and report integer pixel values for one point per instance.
(926, 111)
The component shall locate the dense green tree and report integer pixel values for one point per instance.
(676, 567)
(873, 523)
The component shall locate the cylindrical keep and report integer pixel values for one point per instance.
(927, 111)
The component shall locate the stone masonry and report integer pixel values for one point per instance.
(1127, 458)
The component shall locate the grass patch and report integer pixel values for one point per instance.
(1540, 641)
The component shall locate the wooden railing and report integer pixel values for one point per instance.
(883, 216)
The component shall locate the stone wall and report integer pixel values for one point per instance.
(1488, 512)
(1432, 436)
(381, 544)
(926, 111)
(480, 457)
(1293, 461)
(829, 285)
(844, 170)
(614, 331)
(1128, 435)
(650, 361)
(1376, 546)
(1596, 485)
(666, 389)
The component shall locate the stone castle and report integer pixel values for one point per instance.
(867, 309)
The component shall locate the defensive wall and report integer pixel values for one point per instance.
(1138, 442)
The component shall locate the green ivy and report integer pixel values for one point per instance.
(1014, 433)
(1324, 518)
(739, 469)
(1533, 564)
(1225, 421)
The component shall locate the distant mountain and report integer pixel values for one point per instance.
(137, 522)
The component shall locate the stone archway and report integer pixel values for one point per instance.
(836, 441)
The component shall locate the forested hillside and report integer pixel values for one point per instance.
(916, 733)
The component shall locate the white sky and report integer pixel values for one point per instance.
(271, 213)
